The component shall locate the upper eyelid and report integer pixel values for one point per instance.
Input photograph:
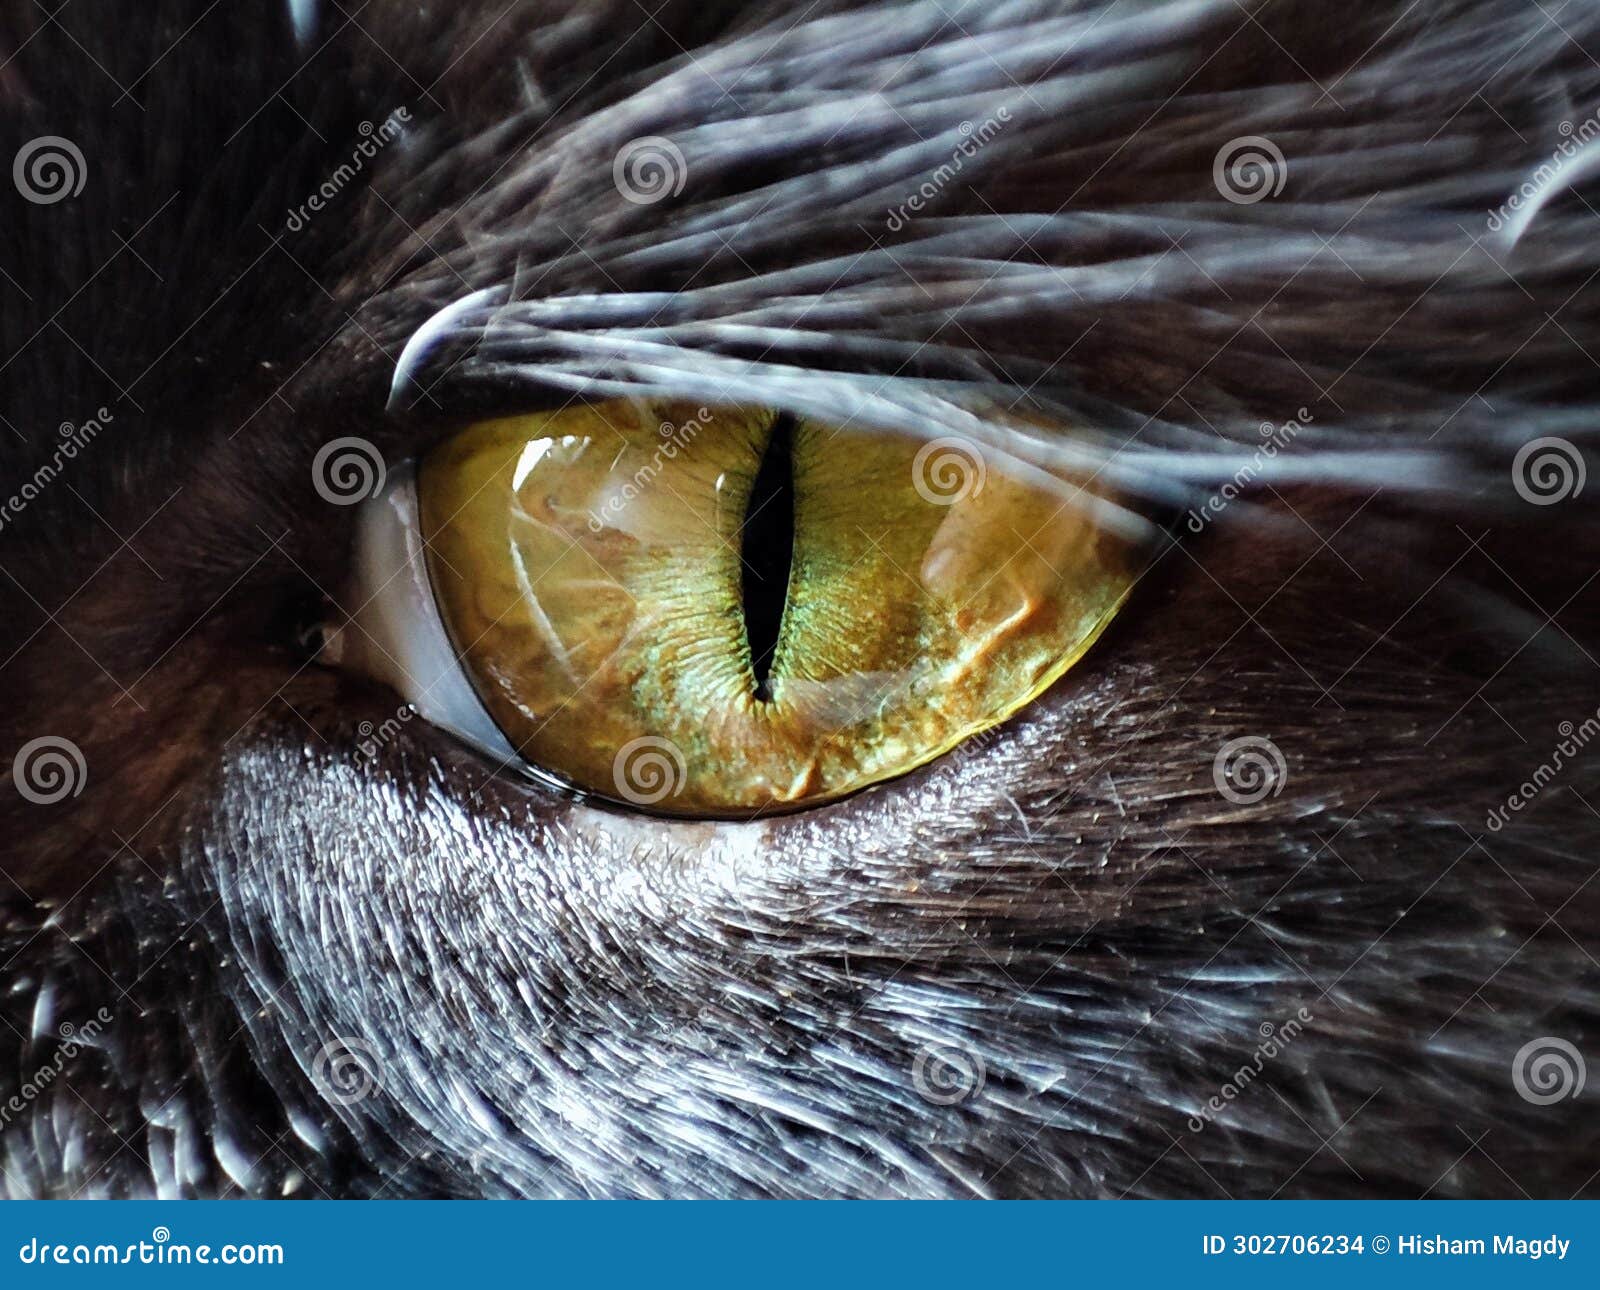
(1168, 473)
(451, 336)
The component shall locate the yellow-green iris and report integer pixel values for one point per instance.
(588, 566)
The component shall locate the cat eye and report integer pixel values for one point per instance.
(726, 611)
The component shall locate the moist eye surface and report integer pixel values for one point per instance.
(719, 611)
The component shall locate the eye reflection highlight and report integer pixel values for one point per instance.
(603, 572)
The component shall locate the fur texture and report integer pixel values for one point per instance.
(1025, 970)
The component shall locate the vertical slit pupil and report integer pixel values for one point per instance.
(767, 550)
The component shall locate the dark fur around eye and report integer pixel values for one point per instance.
(1030, 969)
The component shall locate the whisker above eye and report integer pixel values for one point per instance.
(435, 331)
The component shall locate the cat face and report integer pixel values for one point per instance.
(1278, 891)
